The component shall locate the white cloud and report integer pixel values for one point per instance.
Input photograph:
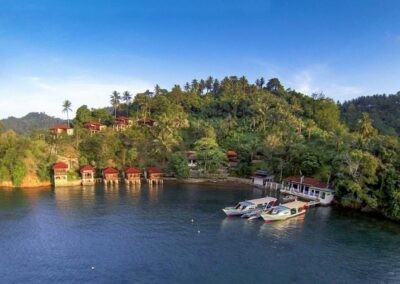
(318, 79)
(18, 96)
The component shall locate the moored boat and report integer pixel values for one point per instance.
(249, 206)
(285, 211)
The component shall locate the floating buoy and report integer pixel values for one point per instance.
(192, 220)
(92, 267)
(198, 231)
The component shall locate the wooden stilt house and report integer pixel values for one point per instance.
(154, 175)
(132, 176)
(110, 176)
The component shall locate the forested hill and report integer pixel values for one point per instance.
(269, 127)
(384, 111)
(29, 122)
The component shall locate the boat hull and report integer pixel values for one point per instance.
(272, 218)
(232, 212)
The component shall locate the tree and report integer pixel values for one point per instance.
(365, 127)
(83, 114)
(126, 96)
(67, 108)
(178, 164)
(275, 86)
(115, 101)
(210, 157)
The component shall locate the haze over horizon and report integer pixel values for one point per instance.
(83, 50)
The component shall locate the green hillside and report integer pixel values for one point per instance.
(30, 122)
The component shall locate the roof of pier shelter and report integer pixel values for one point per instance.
(154, 170)
(263, 174)
(132, 171)
(110, 170)
(87, 168)
(310, 181)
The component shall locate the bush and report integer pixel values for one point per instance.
(179, 166)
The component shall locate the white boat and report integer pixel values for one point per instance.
(256, 213)
(285, 211)
(248, 206)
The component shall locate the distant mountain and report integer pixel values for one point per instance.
(29, 122)
(384, 110)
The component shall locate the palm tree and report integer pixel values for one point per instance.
(126, 96)
(115, 101)
(67, 108)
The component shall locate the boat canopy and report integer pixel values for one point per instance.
(295, 204)
(258, 201)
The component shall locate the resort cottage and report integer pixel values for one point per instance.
(60, 174)
(232, 158)
(132, 176)
(154, 175)
(260, 178)
(146, 122)
(110, 176)
(308, 188)
(87, 174)
(61, 129)
(121, 123)
(191, 158)
(94, 126)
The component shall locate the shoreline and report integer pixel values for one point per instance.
(229, 181)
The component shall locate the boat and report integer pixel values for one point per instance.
(248, 206)
(285, 211)
(256, 213)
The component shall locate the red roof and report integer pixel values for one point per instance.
(60, 166)
(87, 168)
(94, 123)
(231, 154)
(154, 170)
(60, 126)
(146, 121)
(132, 171)
(110, 171)
(307, 181)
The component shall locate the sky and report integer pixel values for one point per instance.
(82, 50)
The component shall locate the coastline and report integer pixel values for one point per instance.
(229, 181)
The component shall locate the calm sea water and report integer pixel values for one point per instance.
(122, 235)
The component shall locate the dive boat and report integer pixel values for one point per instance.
(248, 206)
(285, 211)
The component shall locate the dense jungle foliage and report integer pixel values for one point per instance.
(384, 111)
(270, 127)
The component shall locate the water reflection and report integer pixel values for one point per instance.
(134, 193)
(66, 197)
(281, 229)
(154, 192)
(88, 195)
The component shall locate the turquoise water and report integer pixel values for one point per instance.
(121, 235)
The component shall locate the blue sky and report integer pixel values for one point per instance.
(83, 50)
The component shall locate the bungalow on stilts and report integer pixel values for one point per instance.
(60, 174)
(132, 176)
(110, 176)
(87, 173)
(154, 175)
